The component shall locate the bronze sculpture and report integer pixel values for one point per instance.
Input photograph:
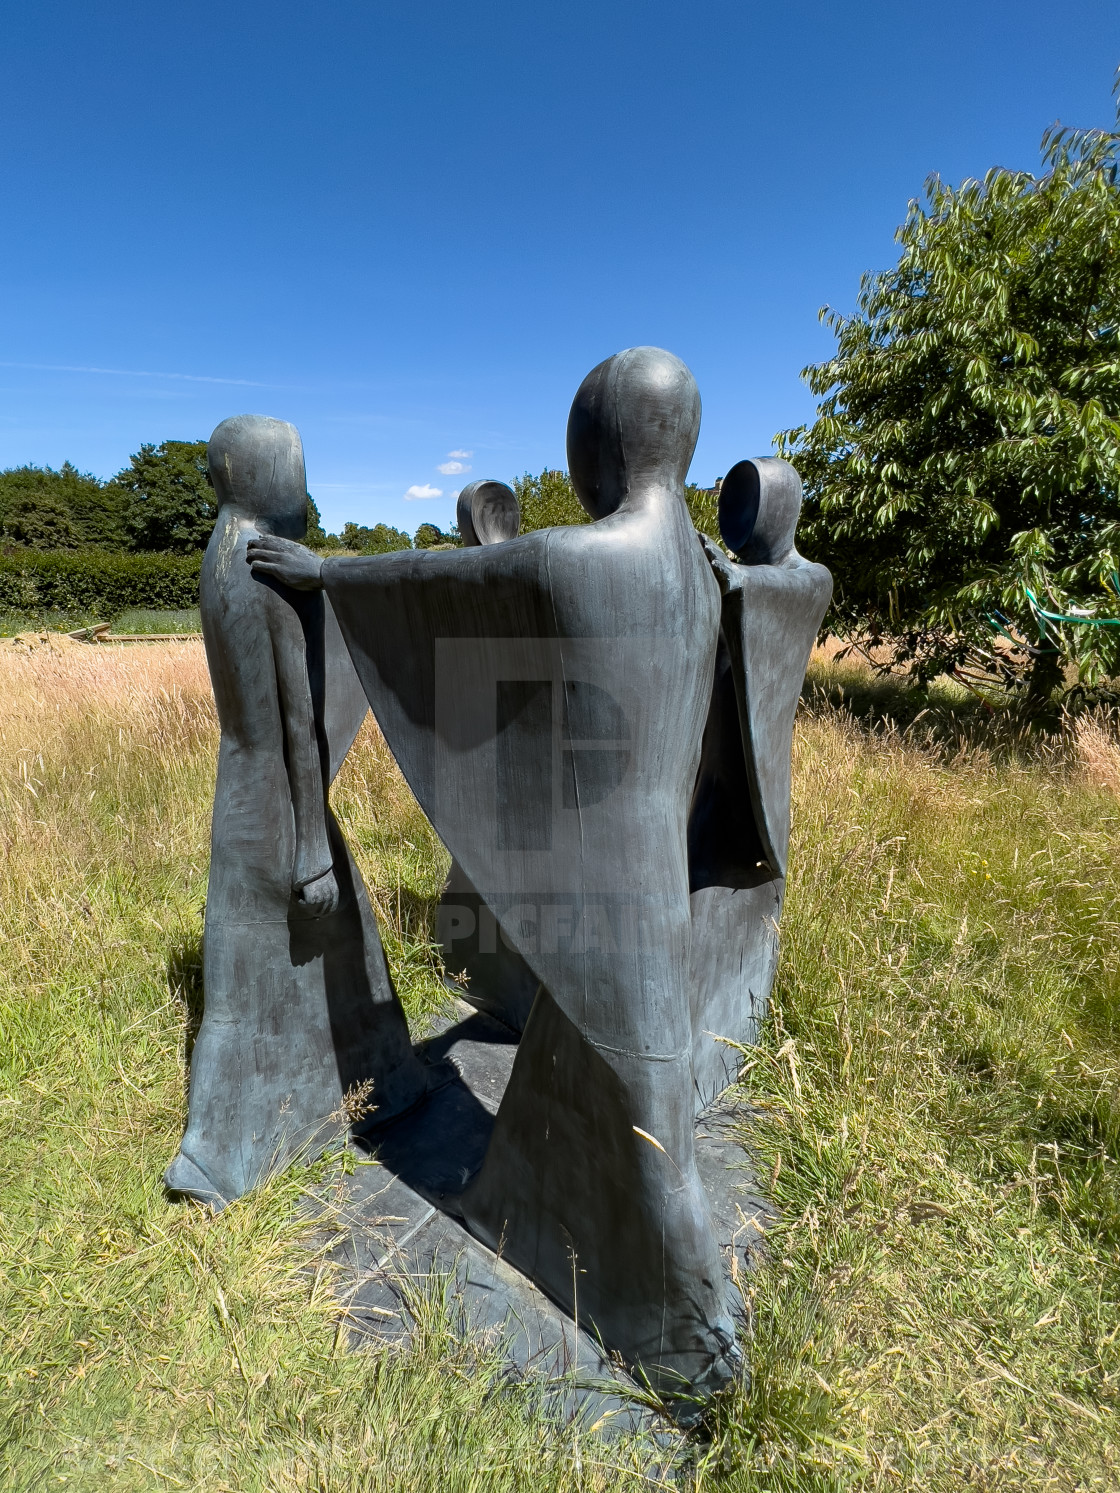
(299, 1004)
(773, 603)
(485, 965)
(474, 662)
(597, 721)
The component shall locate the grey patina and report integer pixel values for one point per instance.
(546, 699)
(738, 833)
(486, 966)
(299, 1005)
(598, 721)
(487, 512)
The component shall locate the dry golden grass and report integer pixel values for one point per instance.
(1097, 737)
(131, 683)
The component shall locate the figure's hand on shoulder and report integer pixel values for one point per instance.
(285, 561)
(320, 896)
(715, 554)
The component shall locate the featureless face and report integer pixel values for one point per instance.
(759, 505)
(634, 420)
(256, 465)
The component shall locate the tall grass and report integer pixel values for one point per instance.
(147, 1346)
(939, 1118)
(935, 1107)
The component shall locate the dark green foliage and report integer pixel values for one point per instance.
(161, 501)
(382, 539)
(967, 440)
(317, 538)
(430, 536)
(68, 509)
(170, 503)
(97, 582)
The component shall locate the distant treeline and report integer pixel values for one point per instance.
(162, 503)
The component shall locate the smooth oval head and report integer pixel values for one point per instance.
(759, 504)
(633, 424)
(487, 512)
(256, 464)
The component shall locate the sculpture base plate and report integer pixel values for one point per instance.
(390, 1226)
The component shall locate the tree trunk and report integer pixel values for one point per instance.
(1045, 677)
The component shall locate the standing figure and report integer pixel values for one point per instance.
(738, 830)
(493, 976)
(546, 699)
(299, 1008)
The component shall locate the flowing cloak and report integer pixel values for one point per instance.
(491, 974)
(545, 698)
(299, 1010)
(738, 833)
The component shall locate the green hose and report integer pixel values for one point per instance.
(1044, 615)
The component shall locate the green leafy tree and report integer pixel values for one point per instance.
(317, 538)
(169, 501)
(703, 508)
(48, 510)
(966, 448)
(548, 501)
(430, 536)
(382, 539)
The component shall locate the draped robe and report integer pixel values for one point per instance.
(546, 698)
(299, 1010)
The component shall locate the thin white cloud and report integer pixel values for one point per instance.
(460, 455)
(426, 491)
(190, 378)
(452, 468)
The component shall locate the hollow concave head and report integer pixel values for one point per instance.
(634, 422)
(759, 504)
(256, 464)
(487, 512)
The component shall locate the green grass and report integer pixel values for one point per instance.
(13, 622)
(142, 619)
(135, 620)
(936, 1110)
(939, 1119)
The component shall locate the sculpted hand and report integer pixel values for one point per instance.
(712, 549)
(285, 561)
(717, 559)
(321, 895)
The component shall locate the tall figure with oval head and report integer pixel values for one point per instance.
(773, 602)
(546, 699)
(299, 1005)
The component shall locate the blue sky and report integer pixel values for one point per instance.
(411, 228)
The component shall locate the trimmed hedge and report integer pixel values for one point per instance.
(104, 582)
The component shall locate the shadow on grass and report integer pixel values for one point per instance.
(184, 981)
(414, 914)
